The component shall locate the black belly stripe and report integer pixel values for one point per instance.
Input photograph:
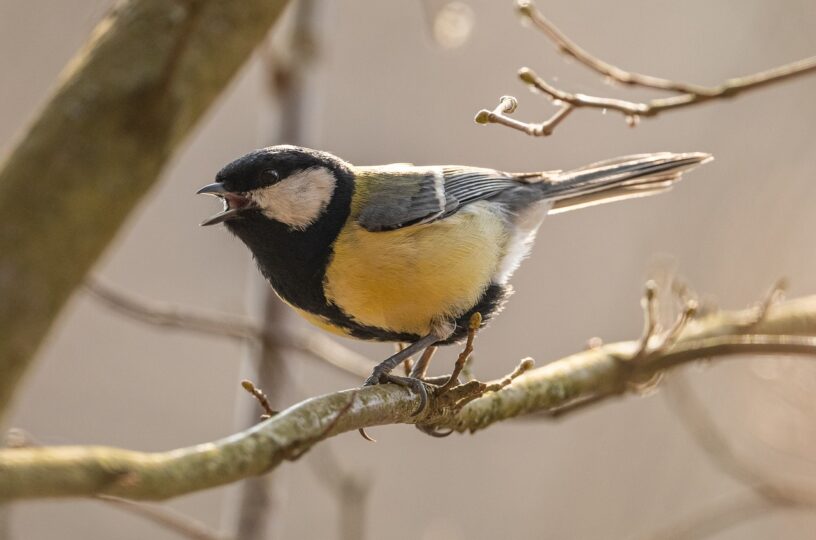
(490, 303)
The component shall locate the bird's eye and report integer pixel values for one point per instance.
(269, 176)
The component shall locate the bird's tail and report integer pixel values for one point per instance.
(615, 179)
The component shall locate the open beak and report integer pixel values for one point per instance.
(234, 203)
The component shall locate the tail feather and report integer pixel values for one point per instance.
(620, 178)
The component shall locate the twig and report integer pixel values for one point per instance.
(259, 395)
(588, 376)
(650, 320)
(687, 93)
(528, 9)
(473, 327)
(508, 105)
(523, 367)
(774, 295)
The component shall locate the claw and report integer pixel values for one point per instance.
(433, 431)
(366, 436)
(413, 384)
(380, 374)
(407, 382)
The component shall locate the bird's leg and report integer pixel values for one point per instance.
(385, 367)
(408, 364)
(381, 373)
(421, 367)
(447, 383)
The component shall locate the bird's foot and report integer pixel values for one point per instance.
(412, 383)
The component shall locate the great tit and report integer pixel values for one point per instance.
(404, 253)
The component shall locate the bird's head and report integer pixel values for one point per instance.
(287, 184)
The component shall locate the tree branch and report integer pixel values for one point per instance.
(687, 93)
(588, 376)
(123, 104)
(162, 516)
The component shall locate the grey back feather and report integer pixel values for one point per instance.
(400, 197)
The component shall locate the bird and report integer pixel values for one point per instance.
(404, 253)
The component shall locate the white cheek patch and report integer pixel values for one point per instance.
(299, 199)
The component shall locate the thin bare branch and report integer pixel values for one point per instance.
(587, 376)
(687, 94)
(473, 327)
(508, 104)
(529, 10)
(168, 316)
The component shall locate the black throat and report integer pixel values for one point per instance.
(293, 261)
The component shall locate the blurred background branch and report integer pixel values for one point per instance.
(255, 509)
(768, 493)
(349, 489)
(686, 93)
(227, 325)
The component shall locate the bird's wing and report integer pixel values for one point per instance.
(392, 199)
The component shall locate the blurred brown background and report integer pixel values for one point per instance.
(385, 92)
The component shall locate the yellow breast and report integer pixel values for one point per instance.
(404, 280)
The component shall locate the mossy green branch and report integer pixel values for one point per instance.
(121, 107)
(586, 377)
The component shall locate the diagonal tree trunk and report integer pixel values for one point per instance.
(122, 106)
